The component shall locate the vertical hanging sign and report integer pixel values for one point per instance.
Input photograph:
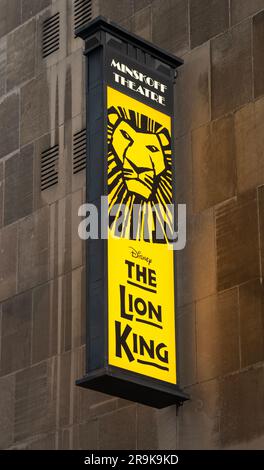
(131, 334)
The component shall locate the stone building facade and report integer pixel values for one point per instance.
(220, 175)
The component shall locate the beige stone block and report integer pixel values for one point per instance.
(45, 322)
(167, 427)
(237, 241)
(21, 54)
(1, 193)
(16, 333)
(33, 249)
(251, 304)
(170, 25)
(241, 9)
(35, 399)
(192, 108)
(142, 23)
(213, 163)
(66, 248)
(85, 436)
(3, 66)
(207, 19)
(261, 224)
(8, 261)
(241, 405)
(114, 432)
(18, 187)
(249, 139)
(147, 419)
(217, 323)
(231, 78)
(34, 111)
(9, 118)
(198, 419)
(78, 307)
(89, 404)
(10, 15)
(183, 172)
(196, 263)
(30, 8)
(186, 345)
(7, 407)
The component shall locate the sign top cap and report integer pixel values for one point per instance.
(102, 24)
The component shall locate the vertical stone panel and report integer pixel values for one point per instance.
(1, 193)
(8, 261)
(16, 333)
(19, 185)
(116, 10)
(31, 8)
(10, 15)
(45, 323)
(170, 25)
(183, 169)
(261, 224)
(196, 269)
(241, 404)
(192, 107)
(85, 436)
(67, 249)
(78, 307)
(9, 119)
(237, 241)
(147, 419)
(89, 404)
(217, 335)
(35, 400)
(249, 138)
(7, 395)
(140, 4)
(231, 80)
(258, 38)
(142, 23)
(251, 299)
(241, 9)
(123, 423)
(199, 418)
(186, 345)
(167, 426)
(2, 66)
(65, 387)
(207, 19)
(214, 168)
(21, 55)
(33, 259)
(34, 114)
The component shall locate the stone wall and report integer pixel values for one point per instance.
(220, 175)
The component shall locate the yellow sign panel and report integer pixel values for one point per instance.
(141, 310)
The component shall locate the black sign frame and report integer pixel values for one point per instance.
(104, 39)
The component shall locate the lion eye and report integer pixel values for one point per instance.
(152, 148)
(125, 134)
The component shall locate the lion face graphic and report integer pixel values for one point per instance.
(139, 174)
(141, 155)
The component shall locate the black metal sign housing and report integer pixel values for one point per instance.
(131, 334)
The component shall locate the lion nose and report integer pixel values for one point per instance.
(137, 169)
(140, 170)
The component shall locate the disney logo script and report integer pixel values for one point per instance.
(137, 254)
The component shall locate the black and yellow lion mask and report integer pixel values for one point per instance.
(139, 175)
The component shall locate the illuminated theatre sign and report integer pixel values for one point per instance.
(131, 334)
